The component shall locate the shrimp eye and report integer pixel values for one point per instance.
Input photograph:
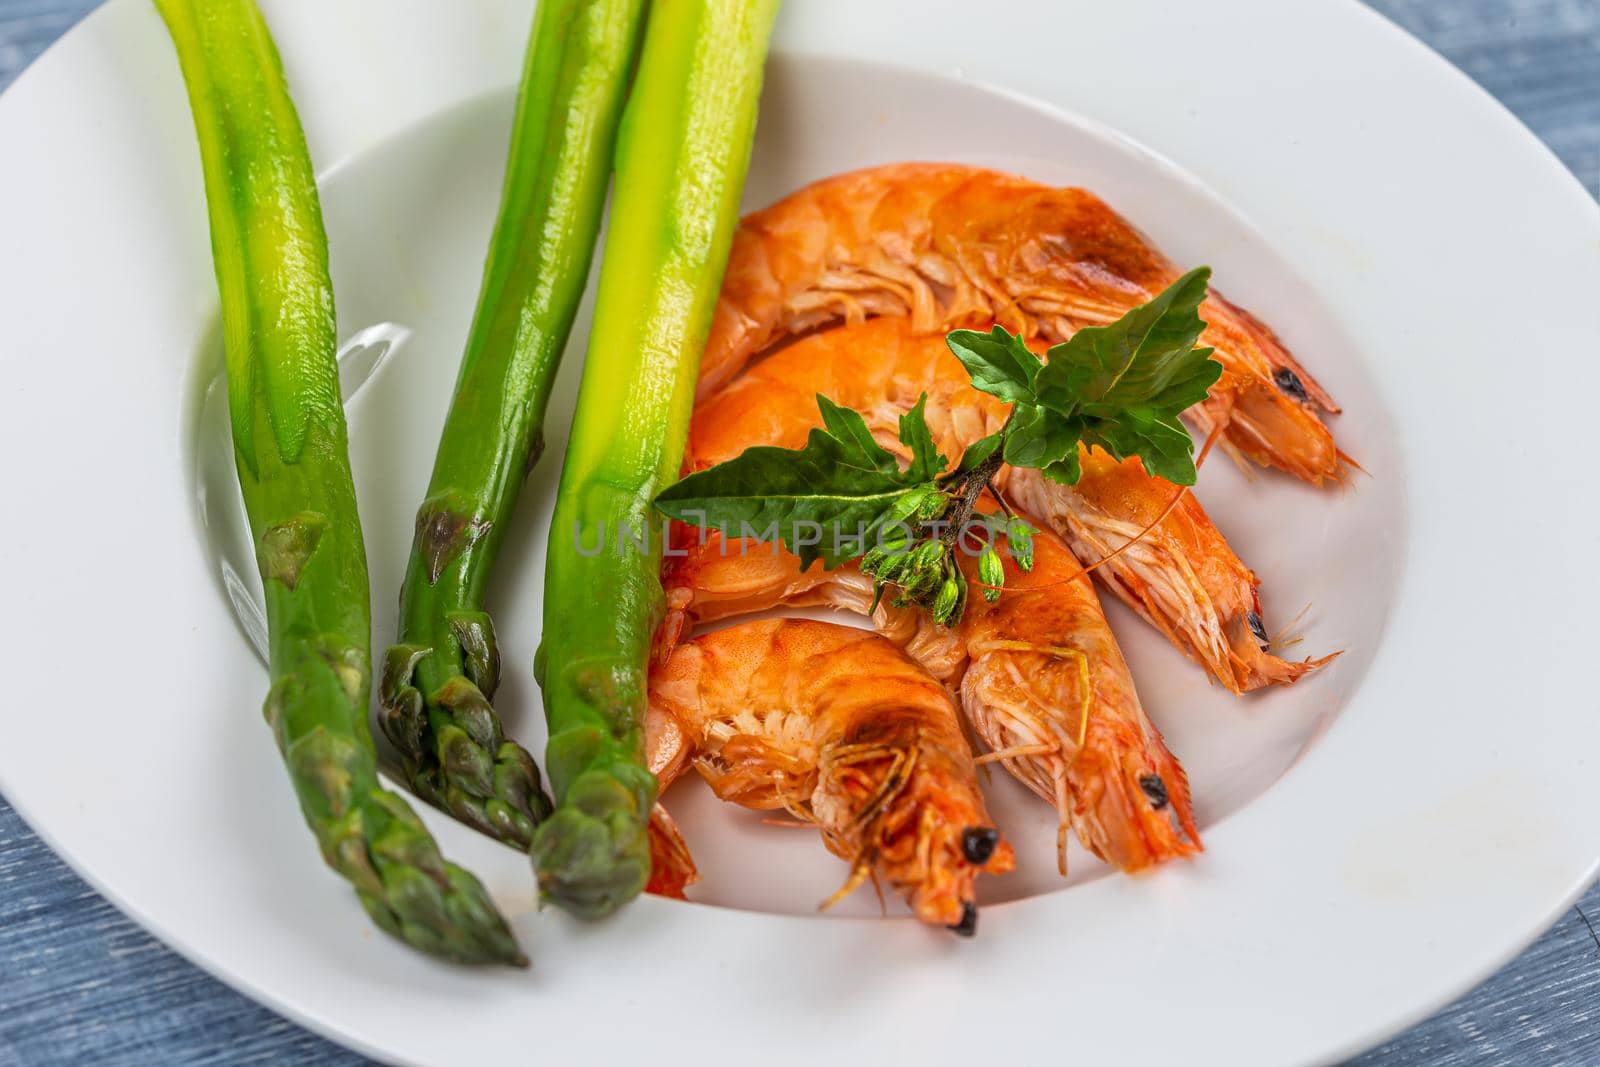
(978, 843)
(969, 920)
(1155, 789)
(1290, 383)
(1259, 629)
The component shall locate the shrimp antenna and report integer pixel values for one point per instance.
(1205, 449)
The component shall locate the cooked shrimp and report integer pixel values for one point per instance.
(1181, 575)
(837, 726)
(946, 245)
(1042, 652)
(1043, 684)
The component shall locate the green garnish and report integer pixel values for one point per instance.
(842, 480)
(1119, 387)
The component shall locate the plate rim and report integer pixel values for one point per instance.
(78, 38)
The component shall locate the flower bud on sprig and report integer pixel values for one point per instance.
(952, 597)
(992, 573)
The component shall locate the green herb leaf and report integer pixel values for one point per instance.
(1120, 387)
(1039, 437)
(1160, 441)
(827, 501)
(1146, 358)
(857, 447)
(1067, 470)
(926, 462)
(1000, 363)
(977, 452)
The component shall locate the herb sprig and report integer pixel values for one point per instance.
(1119, 387)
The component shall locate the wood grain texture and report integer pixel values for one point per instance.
(80, 983)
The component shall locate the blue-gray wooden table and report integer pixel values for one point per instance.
(80, 983)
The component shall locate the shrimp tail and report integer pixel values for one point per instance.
(1256, 667)
(1176, 781)
(1253, 663)
(675, 623)
(672, 868)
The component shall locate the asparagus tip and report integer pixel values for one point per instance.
(593, 855)
(413, 893)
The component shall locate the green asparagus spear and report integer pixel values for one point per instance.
(682, 153)
(271, 261)
(437, 683)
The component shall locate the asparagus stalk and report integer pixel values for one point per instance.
(682, 154)
(438, 681)
(289, 439)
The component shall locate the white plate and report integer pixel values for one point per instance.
(1379, 837)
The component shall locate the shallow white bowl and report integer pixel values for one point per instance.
(1379, 837)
